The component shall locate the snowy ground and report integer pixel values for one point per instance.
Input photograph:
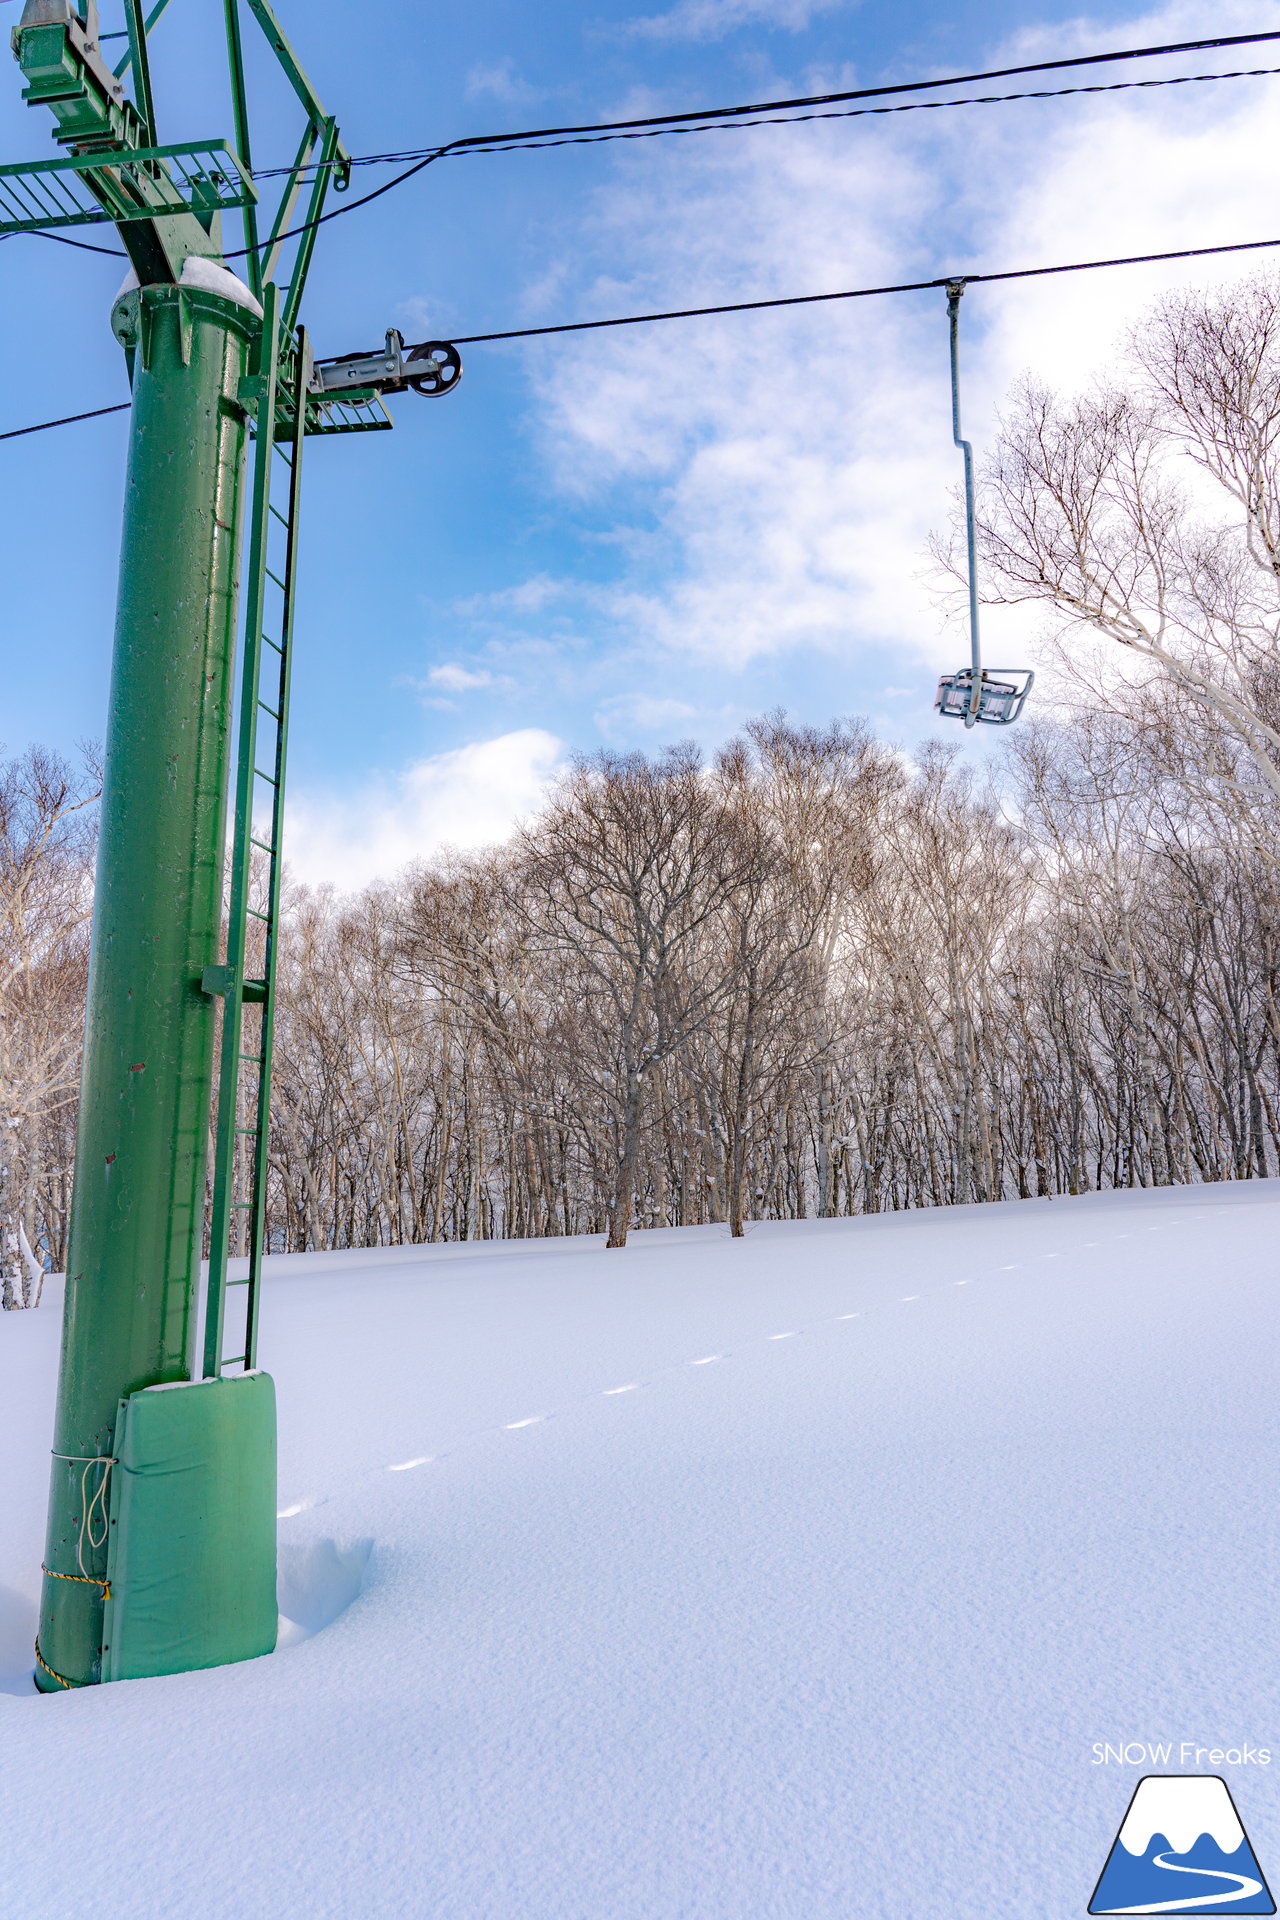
(796, 1576)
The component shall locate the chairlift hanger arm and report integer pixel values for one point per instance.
(971, 694)
(955, 293)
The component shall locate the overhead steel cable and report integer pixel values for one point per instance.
(859, 293)
(15, 433)
(516, 144)
(425, 157)
(788, 300)
(720, 117)
(852, 93)
(616, 128)
(84, 246)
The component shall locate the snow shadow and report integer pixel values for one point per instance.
(18, 1616)
(315, 1582)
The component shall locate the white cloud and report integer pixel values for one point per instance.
(772, 478)
(627, 716)
(499, 80)
(712, 19)
(456, 679)
(529, 596)
(420, 319)
(469, 797)
(764, 485)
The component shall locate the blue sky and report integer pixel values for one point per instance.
(627, 538)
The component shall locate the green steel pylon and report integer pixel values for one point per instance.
(160, 1553)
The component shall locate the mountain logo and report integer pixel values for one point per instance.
(1181, 1848)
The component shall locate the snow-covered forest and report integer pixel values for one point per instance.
(818, 975)
(815, 977)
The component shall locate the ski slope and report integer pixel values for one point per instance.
(709, 1580)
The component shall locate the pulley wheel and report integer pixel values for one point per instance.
(448, 368)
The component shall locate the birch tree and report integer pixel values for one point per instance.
(1147, 512)
(46, 848)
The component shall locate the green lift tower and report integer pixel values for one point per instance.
(160, 1554)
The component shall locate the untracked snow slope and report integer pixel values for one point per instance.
(709, 1580)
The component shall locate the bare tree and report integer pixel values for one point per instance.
(1109, 508)
(817, 977)
(821, 795)
(46, 848)
(625, 885)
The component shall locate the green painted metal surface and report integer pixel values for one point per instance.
(66, 73)
(138, 1205)
(192, 1478)
(244, 136)
(242, 1122)
(192, 1558)
(97, 189)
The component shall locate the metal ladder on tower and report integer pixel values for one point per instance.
(278, 396)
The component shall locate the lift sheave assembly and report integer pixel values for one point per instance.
(160, 1553)
(992, 696)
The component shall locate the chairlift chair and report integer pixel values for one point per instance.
(974, 694)
(999, 701)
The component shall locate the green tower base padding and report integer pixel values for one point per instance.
(191, 1562)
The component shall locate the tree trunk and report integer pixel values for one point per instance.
(624, 1185)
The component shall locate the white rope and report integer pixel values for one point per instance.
(89, 1524)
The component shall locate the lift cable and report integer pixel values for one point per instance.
(862, 293)
(520, 143)
(720, 118)
(460, 151)
(831, 99)
(617, 129)
(84, 246)
(754, 306)
(67, 420)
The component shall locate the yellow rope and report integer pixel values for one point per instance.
(68, 1684)
(83, 1579)
(86, 1524)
